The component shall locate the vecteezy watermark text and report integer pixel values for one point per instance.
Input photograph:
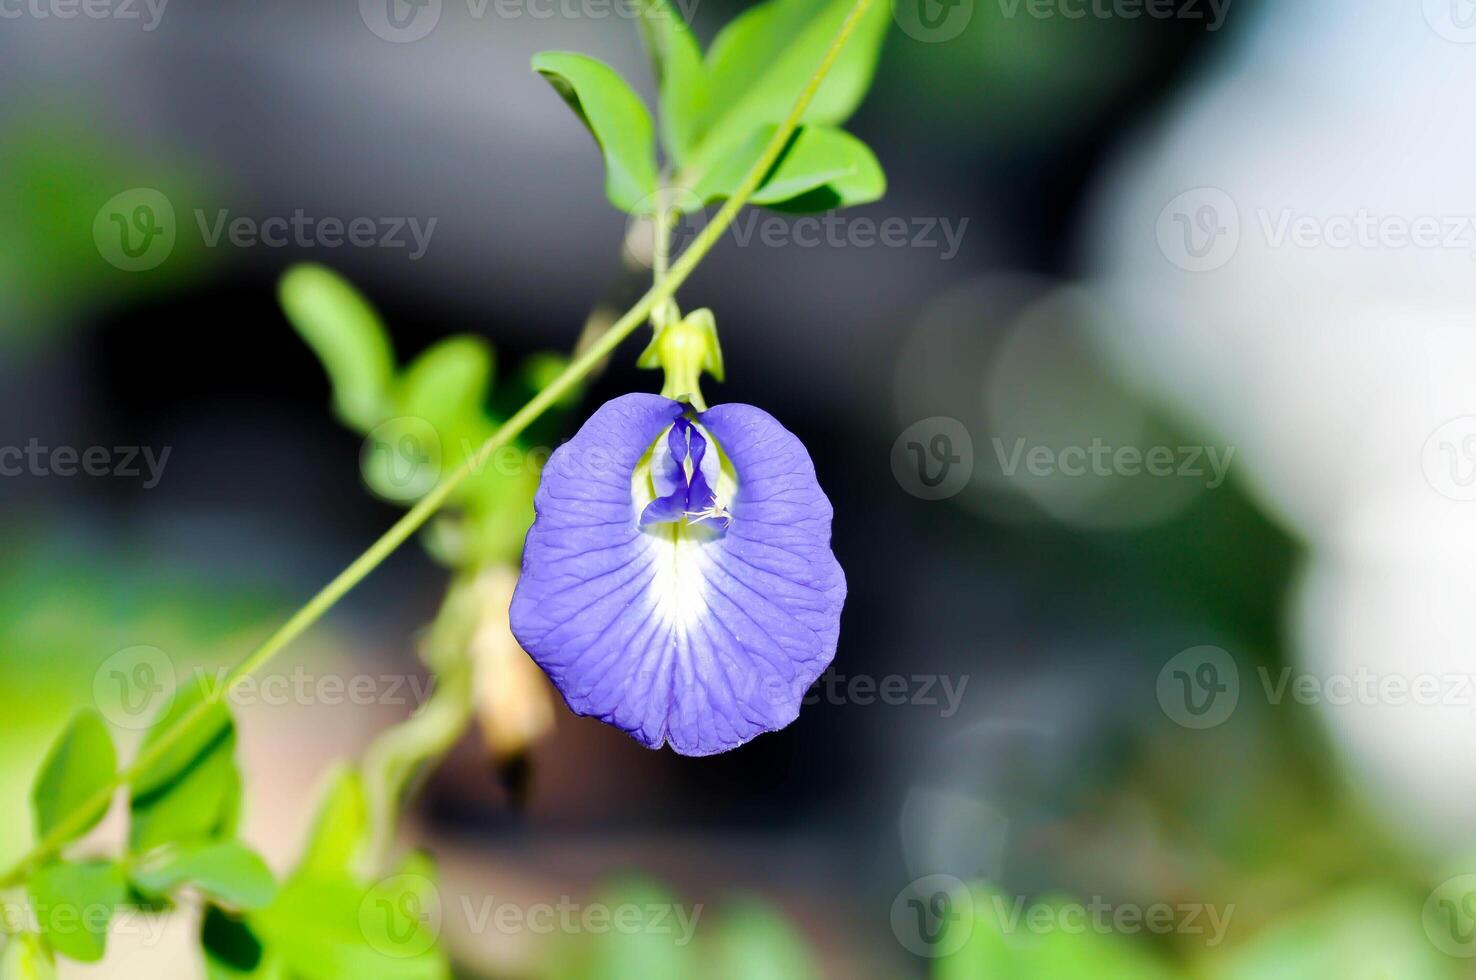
(835, 230)
(579, 9)
(831, 229)
(1201, 687)
(74, 918)
(934, 916)
(568, 916)
(1212, 12)
(1369, 687)
(134, 686)
(1100, 459)
(1100, 916)
(923, 690)
(1200, 230)
(136, 230)
(404, 21)
(148, 12)
(128, 462)
(306, 231)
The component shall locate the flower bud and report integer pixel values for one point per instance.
(513, 697)
(684, 350)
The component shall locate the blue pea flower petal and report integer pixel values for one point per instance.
(688, 597)
(677, 477)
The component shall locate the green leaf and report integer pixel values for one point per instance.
(227, 871)
(74, 903)
(1093, 954)
(332, 926)
(341, 829)
(404, 458)
(192, 793)
(681, 76)
(80, 766)
(203, 805)
(821, 168)
(348, 337)
(1004, 938)
(615, 116)
(539, 369)
(26, 957)
(448, 384)
(1368, 933)
(211, 725)
(233, 951)
(654, 950)
(754, 942)
(762, 60)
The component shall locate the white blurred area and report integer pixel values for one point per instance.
(1335, 371)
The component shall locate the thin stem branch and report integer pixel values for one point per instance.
(428, 505)
(661, 234)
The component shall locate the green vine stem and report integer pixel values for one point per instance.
(398, 753)
(394, 758)
(427, 506)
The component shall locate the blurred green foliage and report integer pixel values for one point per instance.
(746, 939)
(1369, 934)
(60, 168)
(423, 421)
(64, 610)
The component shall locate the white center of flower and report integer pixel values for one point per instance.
(678, 587)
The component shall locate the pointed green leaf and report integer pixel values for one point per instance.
(341, 829)
(681, 76)
(80, 765)
(26, 957)
(762, 60)
(348, 337)
(616, 117)
(192, 793)
(822, 168)
(226, 871)
(74, 904)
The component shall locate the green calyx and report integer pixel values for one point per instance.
(684, 349)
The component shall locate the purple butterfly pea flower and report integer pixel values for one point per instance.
(681, 588)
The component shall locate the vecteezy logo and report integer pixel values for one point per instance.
(400, 21)
(401, 916)
(933, 459)
(1199, 230)
(133, 687)
(1199, 687)
(933, 21)
(135, 230)
(401, 458)
(1449, 916)
(1449, 459)
(1454, 20)
(940, 448)
(933, 916)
